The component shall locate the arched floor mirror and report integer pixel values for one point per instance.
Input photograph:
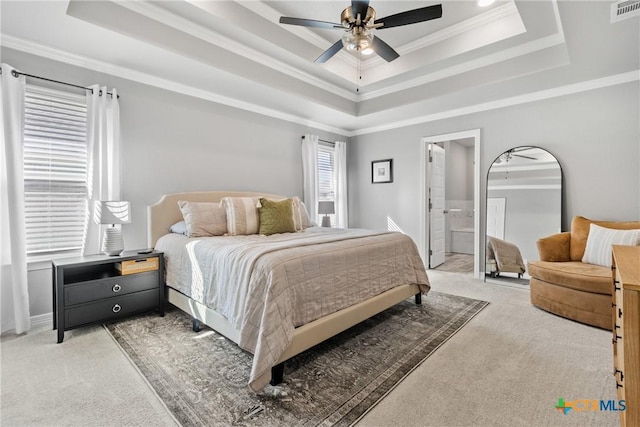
(524, 203)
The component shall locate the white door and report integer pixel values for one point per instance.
(495, 217)
(436, 205)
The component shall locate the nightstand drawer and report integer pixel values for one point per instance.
(111, 287)
(112, 308)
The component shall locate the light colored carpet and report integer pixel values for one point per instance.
(507, 367)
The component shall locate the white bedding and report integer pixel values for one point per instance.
(265, 286)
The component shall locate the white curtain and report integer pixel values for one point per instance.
(13, 247)
(310, 174)
(340, 177)
(103, 149)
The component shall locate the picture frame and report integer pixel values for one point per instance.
(382, 171)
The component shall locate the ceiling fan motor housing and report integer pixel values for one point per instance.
(348, 20)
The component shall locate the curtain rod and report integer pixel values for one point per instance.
(323, 140)
(18, 73)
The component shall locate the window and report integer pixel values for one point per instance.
(55, 171)
(326, 177)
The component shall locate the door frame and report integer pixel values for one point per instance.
(424, 196)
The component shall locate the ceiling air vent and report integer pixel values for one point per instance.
(624, 9)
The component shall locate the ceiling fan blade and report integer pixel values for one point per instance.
(359, 7)
(411, 17)
(384, 50)
(309, 23)
(525, 157)
(327, 54)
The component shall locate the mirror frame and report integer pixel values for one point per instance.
(486, 199)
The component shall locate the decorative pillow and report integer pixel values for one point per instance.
(179, 228)
(304, 213)
(203, 219)
(276, 216)
(242, 215)
(600, 240)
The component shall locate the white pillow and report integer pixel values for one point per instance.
(600, 240)
(179, 228)
(304, 213)
(203, 219)
(242, 215)
(300, 215)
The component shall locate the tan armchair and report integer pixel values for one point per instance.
(562, 284)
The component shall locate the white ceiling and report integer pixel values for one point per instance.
(236, 53)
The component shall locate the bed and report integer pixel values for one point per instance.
(277, 296)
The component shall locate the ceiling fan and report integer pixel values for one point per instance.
(358, 21)
(509, 154)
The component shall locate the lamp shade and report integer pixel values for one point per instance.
(326, 208)
(112, 212)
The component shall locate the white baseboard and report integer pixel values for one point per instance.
(42, 320)
(39, 321)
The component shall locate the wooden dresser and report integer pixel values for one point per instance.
(626, 330)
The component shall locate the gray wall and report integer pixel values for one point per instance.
(457, 172)
(529, 215)
(173, 143)
(594, 135)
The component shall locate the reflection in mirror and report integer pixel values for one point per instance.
(524, 203)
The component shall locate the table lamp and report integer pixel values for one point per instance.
(112, 213)
(326, 209)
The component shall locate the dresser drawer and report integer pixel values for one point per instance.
(111, 287)
(112, 308)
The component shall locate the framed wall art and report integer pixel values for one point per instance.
(381, 171)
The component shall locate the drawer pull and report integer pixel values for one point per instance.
(618, 385)
(620, 372)
(116, 308)
(116, 288)
(619, 313)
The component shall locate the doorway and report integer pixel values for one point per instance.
(452, 224)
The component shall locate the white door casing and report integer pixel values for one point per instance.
(437, 235)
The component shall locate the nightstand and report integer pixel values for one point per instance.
(100, 288)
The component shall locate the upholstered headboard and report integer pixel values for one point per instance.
(165, 212)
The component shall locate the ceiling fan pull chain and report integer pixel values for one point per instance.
(359, 76)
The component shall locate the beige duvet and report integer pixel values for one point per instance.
(265, 286)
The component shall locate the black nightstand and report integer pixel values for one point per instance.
(101, 288)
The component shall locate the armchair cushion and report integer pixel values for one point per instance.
(573, 274)
(555, 248)
(580, 232)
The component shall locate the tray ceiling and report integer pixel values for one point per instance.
(236, 52)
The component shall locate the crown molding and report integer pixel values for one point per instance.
(484, 61)
(613, 80)
(151, 80)
(474, 23)
(179, 23)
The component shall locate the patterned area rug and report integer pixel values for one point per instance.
(202, 377)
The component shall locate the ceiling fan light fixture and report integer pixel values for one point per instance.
(358, 41)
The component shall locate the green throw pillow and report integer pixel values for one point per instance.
(276, 217)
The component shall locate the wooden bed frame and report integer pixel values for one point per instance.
(164, 213)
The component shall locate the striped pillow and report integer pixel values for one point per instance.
(242, 215)
(203, 219)
(600, 240)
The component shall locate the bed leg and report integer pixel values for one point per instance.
(196, 325)
(419, 298)
(277, 374)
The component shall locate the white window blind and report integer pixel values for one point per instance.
(326, 181)
(55, 171)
